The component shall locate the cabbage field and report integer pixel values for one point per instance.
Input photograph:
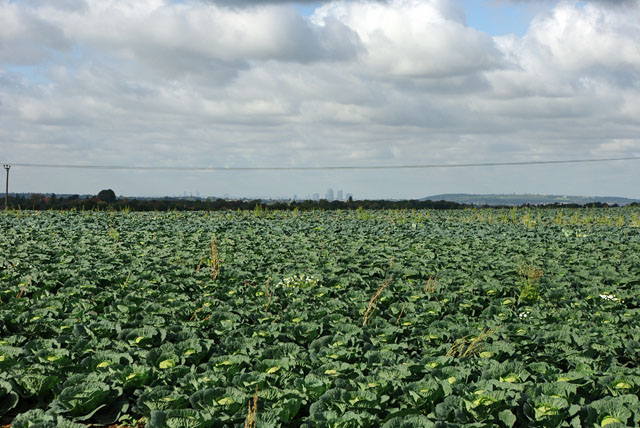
(477, 318)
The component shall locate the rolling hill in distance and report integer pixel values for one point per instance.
(515, 199)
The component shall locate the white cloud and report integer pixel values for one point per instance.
(404, 81)
(195, 36)
(590, 37)
(415, 38)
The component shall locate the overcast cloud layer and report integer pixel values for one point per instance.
(196, 83)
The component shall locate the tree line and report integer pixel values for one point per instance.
(106, 200)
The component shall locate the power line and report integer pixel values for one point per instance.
(317, 168)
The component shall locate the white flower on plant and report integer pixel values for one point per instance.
(610, 297)
(298, 281)
(523, 315)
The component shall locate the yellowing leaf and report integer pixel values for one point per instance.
(510, 378)
(622, 385)
(483, 401)
(167, 364)
(547, 410)
(609, 420)
(273, 369)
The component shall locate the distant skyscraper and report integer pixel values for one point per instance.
(339, 195)
(295, 197)
(316, 196)
(329, 195)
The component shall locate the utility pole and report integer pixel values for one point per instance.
(6, 193)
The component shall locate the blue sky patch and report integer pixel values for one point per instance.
(490, 16)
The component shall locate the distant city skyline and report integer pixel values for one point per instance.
(329, 195)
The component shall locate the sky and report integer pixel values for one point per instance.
(269, 83)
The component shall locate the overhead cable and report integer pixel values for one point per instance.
(317, 168)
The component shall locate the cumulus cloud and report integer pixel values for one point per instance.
(415, 38)
(612, 38)
(169, 36)
(156, 82)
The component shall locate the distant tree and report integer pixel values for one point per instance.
(107, 196)
(36, 198)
